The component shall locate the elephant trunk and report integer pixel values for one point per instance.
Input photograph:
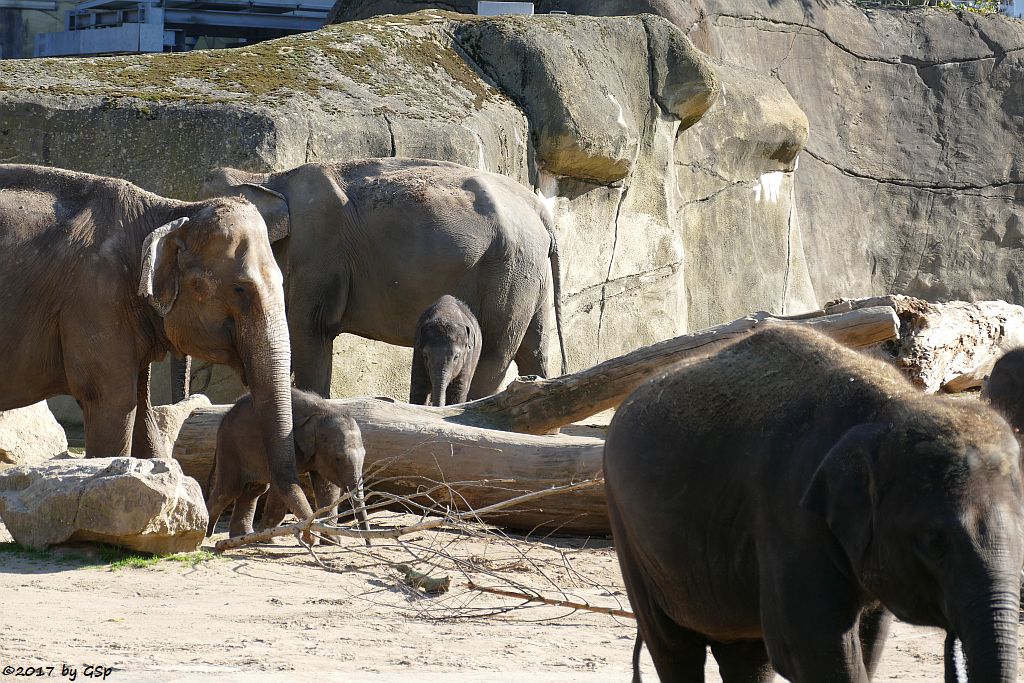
(267, 359)
(987, 628)
(440, 378)
(360, 505)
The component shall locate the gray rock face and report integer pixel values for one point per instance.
(601, 116)
(912, 179)
(30, 435)
(146, 505)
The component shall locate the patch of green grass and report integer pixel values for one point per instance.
(119, 558)
(106, 555)
(192, 559)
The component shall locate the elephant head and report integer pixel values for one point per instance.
(212, 278)
(331, 443)
(272, 205)
(446, 347)
(931, 519)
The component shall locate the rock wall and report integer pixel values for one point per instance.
(665, 219)
(911, 180)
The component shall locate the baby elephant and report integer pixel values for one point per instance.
(445, 353)
(328, 445)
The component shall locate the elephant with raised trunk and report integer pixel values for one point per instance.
(445, 353)
(778, 500)
(372, 243)
(99, 278)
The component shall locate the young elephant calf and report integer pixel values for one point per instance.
(328, 445)
(445, 353)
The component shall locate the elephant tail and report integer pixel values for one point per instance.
(556, 277)
(637, 647)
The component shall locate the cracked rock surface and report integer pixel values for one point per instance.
(146, 505)
(911, 179)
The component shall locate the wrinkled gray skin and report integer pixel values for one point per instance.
(775, 499)
(446, 351)
(372, 243)
(98, 278)
(328, 445)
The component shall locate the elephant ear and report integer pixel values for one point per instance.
(305, 429)
(158, 282)
(842, 489)
(272, 205)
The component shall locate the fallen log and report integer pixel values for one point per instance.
(489, 442)
(946, 346)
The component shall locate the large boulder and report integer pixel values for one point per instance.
(600, 116)
(30, 435)
(145, 505)
(913, 175)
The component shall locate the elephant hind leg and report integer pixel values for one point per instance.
(217, 501)
(489, 374)
(532, 356)
(678, 653)
(743, 662)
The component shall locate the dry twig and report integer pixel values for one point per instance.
(316, 526)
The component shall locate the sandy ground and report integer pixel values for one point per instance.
(271, 613)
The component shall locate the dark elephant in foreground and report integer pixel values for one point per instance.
(99, 278)
(445, 353)
(372, 243)
(328, 446)
(775, 499)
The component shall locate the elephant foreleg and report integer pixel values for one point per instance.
(326, 493)
(314, 320)
(458, 391)
(108, 427)
(147, 442)
(274, 510)
(874, 629)
(245, 509)
(181, 377)
(419, 381)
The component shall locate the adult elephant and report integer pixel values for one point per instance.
(373, 243)
(772, 501)
(98, 278)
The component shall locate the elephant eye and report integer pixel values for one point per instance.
(933, 544)
(239, 290)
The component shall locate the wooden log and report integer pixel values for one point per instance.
(536, 406)
(946, 346)
(484, 441)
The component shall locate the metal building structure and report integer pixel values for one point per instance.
(110, 27)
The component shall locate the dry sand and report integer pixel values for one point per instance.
(271, 613)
